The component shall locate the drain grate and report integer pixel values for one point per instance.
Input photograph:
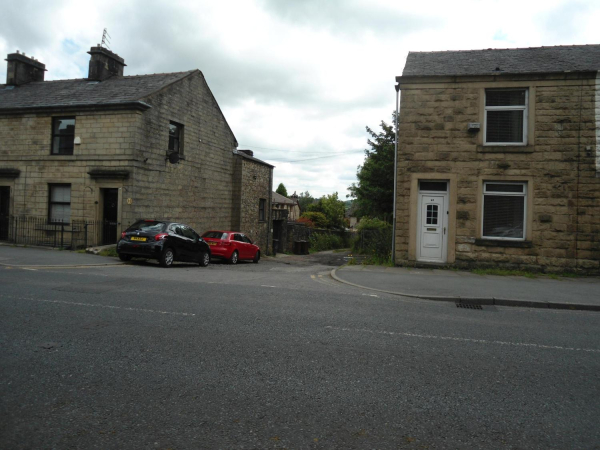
(468, 305)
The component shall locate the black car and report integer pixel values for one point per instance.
(163, 240)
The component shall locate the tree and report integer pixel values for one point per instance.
(305, 199)
(333, 208)
(281, 190)
(374, 192)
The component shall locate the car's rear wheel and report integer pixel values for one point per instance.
(204, 259)
(256, 257)
(166, 258)
(123, 257)
(234, 257)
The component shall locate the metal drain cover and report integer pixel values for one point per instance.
(468, 305)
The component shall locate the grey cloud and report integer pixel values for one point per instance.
(153, 43)
(30, 33)
(154, 38)
(348, 17)
(563, 24)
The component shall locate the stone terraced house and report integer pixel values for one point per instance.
(498, 159)
(103, 151)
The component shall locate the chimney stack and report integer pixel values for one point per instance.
(104, 64)
(22, 69)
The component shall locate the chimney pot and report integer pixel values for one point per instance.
(22, 70)
(104, 64)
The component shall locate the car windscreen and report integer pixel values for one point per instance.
(215, 235)
(148, 226)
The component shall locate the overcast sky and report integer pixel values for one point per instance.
(297, 80)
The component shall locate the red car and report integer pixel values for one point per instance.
(231, 246)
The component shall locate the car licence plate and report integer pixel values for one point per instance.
(135, 238)
(211, 243)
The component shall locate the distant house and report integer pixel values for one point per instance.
(289, 204)
(108, 149)
(498, 159)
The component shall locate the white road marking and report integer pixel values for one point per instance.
(265, 285)
(477, 341)
(95, 305)
(371, 295)
(29, 269)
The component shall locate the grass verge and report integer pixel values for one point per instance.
(109, 252)
(524, 273)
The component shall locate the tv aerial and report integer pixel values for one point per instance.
(105, 40)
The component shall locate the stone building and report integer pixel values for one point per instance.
(110, 149)
(289, 204)
(498, 159)
(254, 181)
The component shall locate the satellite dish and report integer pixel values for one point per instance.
(174, 157)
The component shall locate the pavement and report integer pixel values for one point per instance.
(19, 256)
(582, 293)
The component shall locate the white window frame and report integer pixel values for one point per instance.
(524, 108)
(52, 203)
(505, 194)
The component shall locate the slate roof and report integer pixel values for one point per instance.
(568, 58)
(84, 92)
(252, 158)
(278, 198)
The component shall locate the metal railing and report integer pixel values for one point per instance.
(373, 242)
(31, 230)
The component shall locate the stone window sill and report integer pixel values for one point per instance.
(503, 243)
(506, 148)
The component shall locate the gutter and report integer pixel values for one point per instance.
(270, 221)
(136, 105)
(397, 87)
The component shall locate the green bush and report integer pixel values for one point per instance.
(368, 223)
(374, 239)
(318, 218)
(326, 241)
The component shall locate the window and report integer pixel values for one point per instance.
(215, 235)
(437, 186)
(189, 233)
(63, 135)
(261, 209)
(432, 214)
(59, 203)
(175, 138)
(504, 210)
(506, 116)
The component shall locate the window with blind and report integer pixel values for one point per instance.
(504, 210)
(59, 203)
(506, 116)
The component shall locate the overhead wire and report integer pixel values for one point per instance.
(317, 157)
(325, 154)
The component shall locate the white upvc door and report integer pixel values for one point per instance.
(432, 233)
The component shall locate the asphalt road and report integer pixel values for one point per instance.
(280, 356)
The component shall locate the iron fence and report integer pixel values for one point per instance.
(31, 230)
(373, 242)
